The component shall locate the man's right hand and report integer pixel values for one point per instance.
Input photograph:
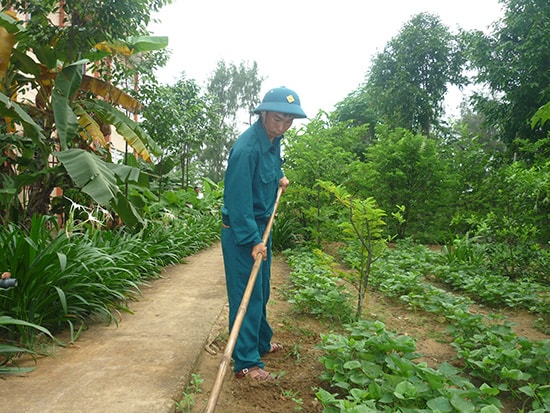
(259, 249)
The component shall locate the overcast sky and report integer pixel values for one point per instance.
(321, 49)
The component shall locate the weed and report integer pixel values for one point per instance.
(278, 374)
(292, 395)
(295, 352)
(188, 396)
(196, 383)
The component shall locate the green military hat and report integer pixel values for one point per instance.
(282, 100)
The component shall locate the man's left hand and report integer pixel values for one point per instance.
(283, 183)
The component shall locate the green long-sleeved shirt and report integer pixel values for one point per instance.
(251, 182)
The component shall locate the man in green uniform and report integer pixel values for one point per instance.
(252, 179)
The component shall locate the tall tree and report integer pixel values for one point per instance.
(236, 90)
(179, 119)
(249, 83)
(408, 80)
(513, 63)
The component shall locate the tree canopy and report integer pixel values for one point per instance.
(512, 62)
(407, 82)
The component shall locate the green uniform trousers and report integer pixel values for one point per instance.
(254, 339)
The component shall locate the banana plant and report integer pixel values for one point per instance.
(54, 112)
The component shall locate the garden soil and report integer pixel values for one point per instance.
(175, 337)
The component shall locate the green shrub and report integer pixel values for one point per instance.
(316, 288)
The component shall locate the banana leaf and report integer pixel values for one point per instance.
(136, 137)
(11, 110)
(67, 83)
(101, 181)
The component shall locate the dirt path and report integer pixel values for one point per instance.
(139, 366)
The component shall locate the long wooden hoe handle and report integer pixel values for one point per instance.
(212, 401)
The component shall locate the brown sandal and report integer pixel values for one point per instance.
(255, 373)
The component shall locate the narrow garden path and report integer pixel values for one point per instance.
(140, 366)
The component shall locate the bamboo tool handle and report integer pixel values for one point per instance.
(226, 358)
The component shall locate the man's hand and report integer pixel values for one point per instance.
(283, 183)
(259, 249)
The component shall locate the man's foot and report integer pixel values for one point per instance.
(275, 347)
(255, 373)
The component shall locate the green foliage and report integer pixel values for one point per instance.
(321, 151)
(496, 354)
(462, 172)
(83, 271)
(182, 121)
(9, 352)
(407, 82)
(234, 90)
(541, 116)
(376, 368)
(504, 246)
(471, 185)
(63, 112)
(172, 204)
(50, 292)
(364, 227)
(293, 395)
(81, 29)
(512, 61)
(463, 270)
(480, 339)
(464, 250)
(357, 109)
(536, 152)
(527, 198)
(188, 399)
(510, 199)
(407, 172)
(316, 288)
(103, 181)
(286, 232)
(495, 290)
